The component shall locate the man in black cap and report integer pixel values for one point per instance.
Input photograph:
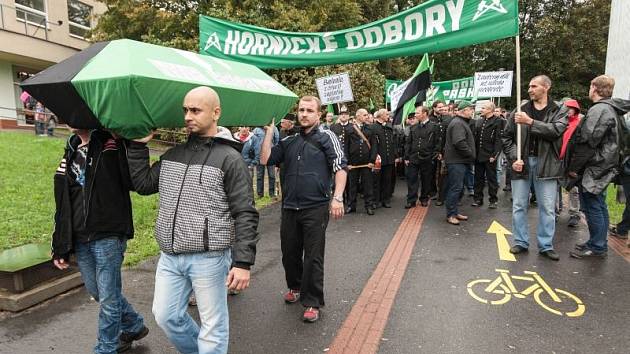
(361, 146)
(342, 129)
(459, 153)
(421, 148)
(287, 126)
(386, 149)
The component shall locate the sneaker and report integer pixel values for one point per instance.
(581, 246)
(587, 253)
(492, 205)
(291, 296)
(574, 221)
(516, 249)
(551, 254)
(612, 231)
(127, 338)
(311, 314)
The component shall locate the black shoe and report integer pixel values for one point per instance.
(516, 249)
(581, 246)
(424, 203)
(127, 338)
(587, 253)
(574, 221)
(476, 203)
(612, 231)
(386, 205)
(551, 254)
(409, 205)
(492, 205)
(350, 210)
(507, 189)
(369, 211)
(439, 203)
(435, 197)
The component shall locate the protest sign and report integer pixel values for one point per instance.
(334, 89)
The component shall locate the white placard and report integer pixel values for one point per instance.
(493, 84)
(334, 89)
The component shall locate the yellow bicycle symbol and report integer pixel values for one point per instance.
(569, 304)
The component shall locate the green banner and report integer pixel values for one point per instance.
(432, 26)
(391, 85)
(452, 90)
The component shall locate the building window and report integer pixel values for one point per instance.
(79, 16)
(31, 11)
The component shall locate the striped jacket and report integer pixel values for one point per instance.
(206, 196)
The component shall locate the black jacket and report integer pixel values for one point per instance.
(423, 142)
(386, 142)
(206, 196)
(358, 151)
(106, 195)
(342, 131)
(460, 143)
(442, 122)
(549, 133)
(308, 160)
(488, 141)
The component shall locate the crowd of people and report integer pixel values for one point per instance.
(207, 222)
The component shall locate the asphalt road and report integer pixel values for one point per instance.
(433, 311)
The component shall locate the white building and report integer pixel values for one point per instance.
(618, 54)
(35, 34)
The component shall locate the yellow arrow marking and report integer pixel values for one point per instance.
(502, 243)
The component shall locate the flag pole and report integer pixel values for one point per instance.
(518, 96)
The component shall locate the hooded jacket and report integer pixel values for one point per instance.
(106, 195)
(549, 133)
(596, 155)
(206, 198)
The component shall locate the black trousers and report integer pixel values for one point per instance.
(441, 180)
(383, 184)
(423, 170)
(303, 240)
(362, 176)
(486, 172)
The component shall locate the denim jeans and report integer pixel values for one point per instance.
(546, 194)
(624, 225)
(596, 212)
(205, 274)
(469, 180)
(260, 180)
(455, 184)
(100, 262)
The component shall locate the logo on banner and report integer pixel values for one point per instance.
(213, 41)
(485, 6)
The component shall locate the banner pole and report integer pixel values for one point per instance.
(518, 96)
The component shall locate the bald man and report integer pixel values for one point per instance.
(206, 225)
(488, 144)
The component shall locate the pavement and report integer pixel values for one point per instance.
(396, 282)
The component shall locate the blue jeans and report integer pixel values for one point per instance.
(546, 192)
(469, 180)
(100, 262)
(260, 180)
(454, 186)
(176, 277)
(596, 212)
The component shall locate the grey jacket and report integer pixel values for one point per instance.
(549, 132)
(460, 142)
(206, 196)
(599, 134)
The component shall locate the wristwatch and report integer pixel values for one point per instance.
(338, 198)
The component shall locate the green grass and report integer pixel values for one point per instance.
(27, 166)
(615, 210)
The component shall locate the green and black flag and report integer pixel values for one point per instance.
(413, 90)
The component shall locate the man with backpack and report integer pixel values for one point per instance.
(595, 161)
